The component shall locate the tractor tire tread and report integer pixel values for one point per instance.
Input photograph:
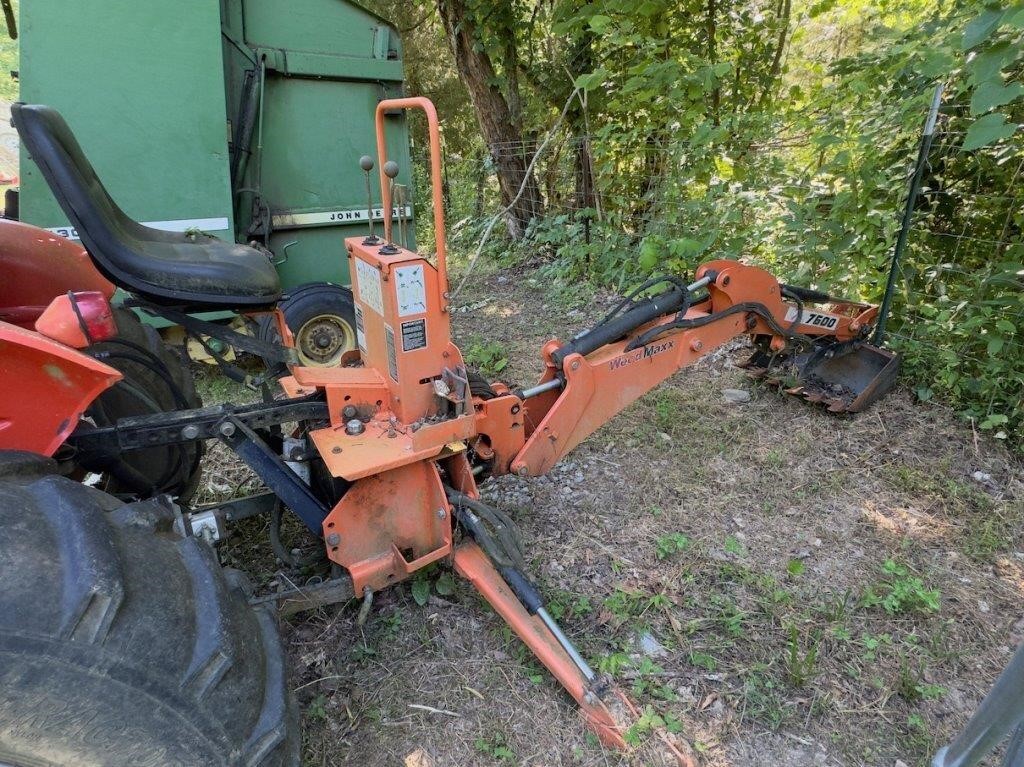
(122, 643)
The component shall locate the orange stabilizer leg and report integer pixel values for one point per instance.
(473, 565)
(609, 715)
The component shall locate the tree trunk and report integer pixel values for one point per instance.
(780, 46)
(712, 32)
(495, 117)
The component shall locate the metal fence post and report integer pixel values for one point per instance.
(908, 214)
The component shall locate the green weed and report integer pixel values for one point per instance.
(801, 662)
(495, 746)
(669, 544)
(900, 592)
(488, 357)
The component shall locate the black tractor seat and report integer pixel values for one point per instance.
(191, 270)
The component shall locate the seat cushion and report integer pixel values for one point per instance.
(182, 268)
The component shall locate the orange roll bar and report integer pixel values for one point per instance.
(417, 102)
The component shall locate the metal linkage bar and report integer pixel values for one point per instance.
(189, 425)
(268, 466)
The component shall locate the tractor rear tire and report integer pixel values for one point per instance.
(124, 644)
(322, 317)
(156, 380)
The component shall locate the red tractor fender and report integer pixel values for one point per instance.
(46, 387)
(36, 266)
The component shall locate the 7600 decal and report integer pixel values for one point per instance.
(817, 319)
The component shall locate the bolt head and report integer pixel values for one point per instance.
(333, 539)
(354, 427)
(336, 449)
(349, 412)
(696, 344)
(190, 432)
(575, 365)
(227, 428)
(523, 471)
(441, 513)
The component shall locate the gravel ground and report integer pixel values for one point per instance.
(781, 585)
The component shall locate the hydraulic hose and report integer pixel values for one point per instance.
(671, 301)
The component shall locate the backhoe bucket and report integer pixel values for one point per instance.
(846, 381)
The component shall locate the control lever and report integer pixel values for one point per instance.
(391, 171)
(366, 163)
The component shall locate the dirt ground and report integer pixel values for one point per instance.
(779, 585)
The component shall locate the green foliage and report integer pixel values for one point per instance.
(488, 357)
(734, 546)
(495, 746)
(910, 684)
(648, 722)
(801, 662)
(421, 584)
(8, 62)
(669, 544)
(900, 592)
(776, 132)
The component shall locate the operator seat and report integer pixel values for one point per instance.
(195, 271)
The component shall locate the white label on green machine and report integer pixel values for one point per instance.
(178, 225)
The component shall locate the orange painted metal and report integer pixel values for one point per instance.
(47, 387)
(500, 429)
(405, 332)
(459, 473)
(361, 387)
(472, 564)
(389, 525)
(36, 266)
(609, 379)
(434, 137)
(388, 444)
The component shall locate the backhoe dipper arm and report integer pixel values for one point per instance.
(595, 376)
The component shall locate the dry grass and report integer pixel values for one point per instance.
(750, 541)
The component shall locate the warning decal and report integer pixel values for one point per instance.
(410, 290)
(414, 335)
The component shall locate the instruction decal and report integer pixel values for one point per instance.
(411, 290)
(414, 335)
(368, 279)
(389, 340)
